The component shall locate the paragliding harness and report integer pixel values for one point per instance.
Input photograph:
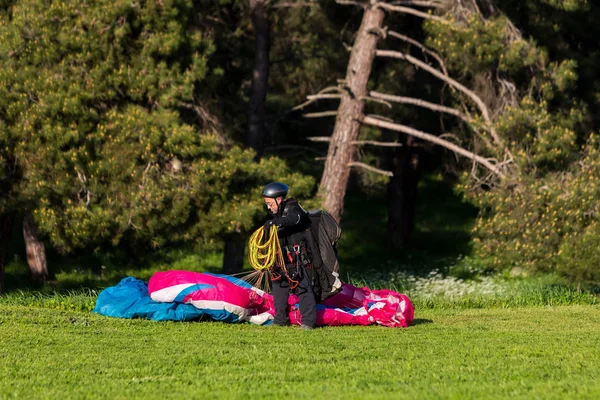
(297, 262)
(315, 255)
(322, 236)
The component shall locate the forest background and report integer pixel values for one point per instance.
(449, 136)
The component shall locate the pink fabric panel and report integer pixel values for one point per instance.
(384, 307)
(221, 290)
(351, 306)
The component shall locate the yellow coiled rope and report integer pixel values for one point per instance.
(263, 255)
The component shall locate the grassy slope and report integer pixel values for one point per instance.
(501, 353)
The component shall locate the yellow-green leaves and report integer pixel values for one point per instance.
(95, 124)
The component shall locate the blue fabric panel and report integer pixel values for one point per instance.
(221, 315)
(130, 299)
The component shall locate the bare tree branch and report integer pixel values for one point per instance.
(434, 139)
(476, 99)
(422, 47)
(293, 4)
(327, 89)
(84, 188)
(376, 143)
(319, 138)
(210, 121)
(450, 135)
(369, 168)
(356, 142)
(417, 3)
(323, 96)
(420, 103)
(351, 3)
(435, 107)
(320, 114)
(412, 11)
(367, 98)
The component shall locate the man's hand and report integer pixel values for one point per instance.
(267, 226)
(278, 221)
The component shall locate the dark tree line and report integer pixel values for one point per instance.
(148, 126)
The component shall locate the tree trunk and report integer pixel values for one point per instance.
(233, 252)
(36, 252)
(402, 194)
(333, 184)
(260, 78)
(5, 230)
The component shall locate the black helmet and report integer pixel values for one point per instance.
(274, 190)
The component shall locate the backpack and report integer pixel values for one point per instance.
(323, 235)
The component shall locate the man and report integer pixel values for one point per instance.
(292, 222)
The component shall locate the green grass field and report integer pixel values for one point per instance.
(535, 352)
(479, 337)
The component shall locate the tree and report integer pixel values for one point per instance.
(260, 77)
(256, 134)
(5, 229)
(568, 30)
(233, 253)
(487, 73)
(340, 154)
(354, 93)
(108, 138)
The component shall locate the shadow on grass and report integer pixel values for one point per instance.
(421, 321)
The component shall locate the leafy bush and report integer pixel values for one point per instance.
(98, 137)
(545, 223)
(579, 255)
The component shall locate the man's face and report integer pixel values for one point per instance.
(272, 204)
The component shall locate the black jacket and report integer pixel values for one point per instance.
(319, 232)
(293, 221)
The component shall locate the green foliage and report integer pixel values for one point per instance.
(541, 141)
(578, 256)
(567, 5)
(478, 49)
(530, 219)
(94, 138)
(547, 352)
(567, 29)
(305, 51)
(542, 220)
(474, 290)
(477, 44)
(371, 182)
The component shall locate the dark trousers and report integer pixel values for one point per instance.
(308, 304)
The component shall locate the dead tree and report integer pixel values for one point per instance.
(353, 94)
(347, 125)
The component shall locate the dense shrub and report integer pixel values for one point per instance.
(547, 223)
(98, 136)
